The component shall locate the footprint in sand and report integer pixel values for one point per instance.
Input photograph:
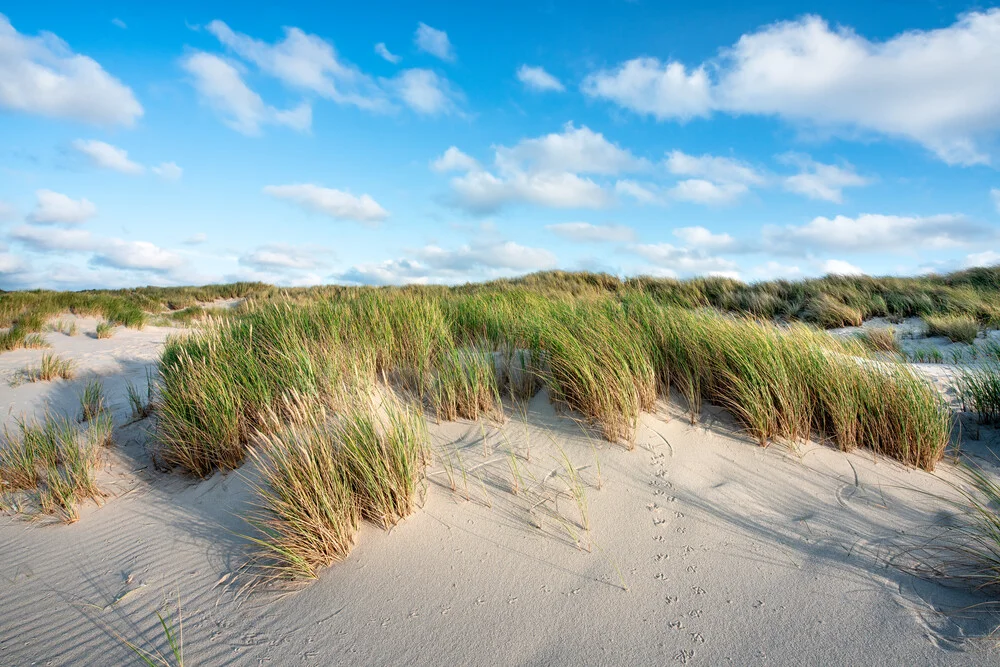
(684, 656)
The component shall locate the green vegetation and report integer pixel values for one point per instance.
(54, 460)
(606, 358)
(92, 401)
(879, 340)
(979, 389)
(104, 330)
(50, 368)
(956, 328)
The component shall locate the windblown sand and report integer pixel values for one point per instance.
(703, 548)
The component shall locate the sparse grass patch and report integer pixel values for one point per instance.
(879, 340)
(956, 328)
(50, 368)
(105, 330)
(140, 401)
(979, 389)
(92, 400)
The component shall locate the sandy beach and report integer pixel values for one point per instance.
(702, 548)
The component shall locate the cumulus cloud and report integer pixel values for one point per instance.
(107, 156)
(434, 42)
(484, 192)
(644, 193)
(822, 181)
(433, 264)
(305, 62)
(220, 86)
(137, 255)
(537, 79)
(577, 149)
(647, 86)
(41, 75)
(878, 233)
(713, 168)
(939, 88)
(703, 239)
(57, 208)
(425, 92)
(590, 233)
(700, 191)
(546, 171)
(280, 257)
(676, 261)
(839, 267)
(168, 171)
(334, 203)
(384, 51)
(985, 258)
(454, 160)
(49, 240)
(12, 264)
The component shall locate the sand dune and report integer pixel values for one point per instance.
(703, 548)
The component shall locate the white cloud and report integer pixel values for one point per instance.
(995, 195)
(47, 240)
(196, 239)
(118, 23)
(773, 270)
(644, 193)
(822, 181)
(645, 85)
(879, 233)
(700, 191)
(576, 149)
(334, 203)
(220, 86)
(7, 211)
(305, 62)
(434, 42)
(425, 92)
(280, 257)
(590, 233)
(41, 75)
(168, 171)
(536, 78)
(839, 267)
(384, 51)
(57, 208)
(454, 160)
(985, 258)
(12, 264)
(683, 261)
(433, 264)
(546, 171)
(939, 88)
(718, 169)
(483, 192)
(703, 239)
(107, 156)
(139, 255)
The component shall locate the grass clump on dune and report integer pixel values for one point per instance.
(979, 389)
(321, 474)
(879, 340)
(104, 330)
(50, 368)
(956, 328)
(54, 459)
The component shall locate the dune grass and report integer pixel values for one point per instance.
(879, 340)
(104, 330)
(322, 473)
(956, 328)
(50, 368)
(54, 459)
(141, 402)
(92, 401)
(979, 389)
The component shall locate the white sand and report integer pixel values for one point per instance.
(731, 554)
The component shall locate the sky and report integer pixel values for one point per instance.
(440, 142)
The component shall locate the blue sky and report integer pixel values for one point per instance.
(181, 143)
